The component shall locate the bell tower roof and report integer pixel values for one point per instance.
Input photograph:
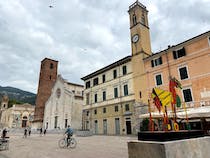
(135, 4)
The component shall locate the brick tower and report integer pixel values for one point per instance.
(47, 78)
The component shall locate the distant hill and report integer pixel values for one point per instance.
(18, 94)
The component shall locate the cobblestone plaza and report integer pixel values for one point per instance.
(47, 147)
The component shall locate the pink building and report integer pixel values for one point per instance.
(189, 62)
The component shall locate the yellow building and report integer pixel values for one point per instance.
(109, 99)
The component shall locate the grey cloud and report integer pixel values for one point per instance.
(84, 35)
(178, 21)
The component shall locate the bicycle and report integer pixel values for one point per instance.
(62, 143)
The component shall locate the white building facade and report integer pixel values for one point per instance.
(64, 106)
(18, 116)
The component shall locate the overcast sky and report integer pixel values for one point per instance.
(85, 35)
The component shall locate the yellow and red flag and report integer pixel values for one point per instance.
(161, 98)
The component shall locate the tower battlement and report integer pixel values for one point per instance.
(137, 3)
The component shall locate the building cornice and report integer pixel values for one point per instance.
(75, 84)
(113, 65)
(49, 59)
(182, 44)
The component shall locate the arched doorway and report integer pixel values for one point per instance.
(24, 121)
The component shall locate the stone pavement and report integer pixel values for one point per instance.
(47, 147)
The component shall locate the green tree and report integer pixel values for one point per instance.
(144, 125)
(13, 101)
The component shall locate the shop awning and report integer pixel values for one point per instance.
(154, 115)
(199, 112)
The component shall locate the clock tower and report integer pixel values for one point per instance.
(139, 29)
(141, 48)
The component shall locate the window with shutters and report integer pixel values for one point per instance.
(187, 95)
(103, 78)
(127, 108)
(115, 92)
(96, 98)
(95, 81)
(124, 70)
(116, 108)
(179, 53)
(104, 110)
(183, 73)
(156, 62)
(115, 74)
(158, 79)
(88, 84)
(104, 95)
(125, 90)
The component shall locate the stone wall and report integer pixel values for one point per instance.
(187, 148)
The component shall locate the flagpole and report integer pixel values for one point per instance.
(173, 102)
(166, 119)
(188, 125)
(150, 117)
(174, 110)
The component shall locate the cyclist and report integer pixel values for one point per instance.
(69, 132)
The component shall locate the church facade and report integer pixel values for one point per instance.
(64, 106)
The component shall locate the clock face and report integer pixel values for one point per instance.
(135, 38)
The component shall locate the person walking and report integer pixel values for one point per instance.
(41, 131)
(25, 133)
(29, 132)
(45, 130)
